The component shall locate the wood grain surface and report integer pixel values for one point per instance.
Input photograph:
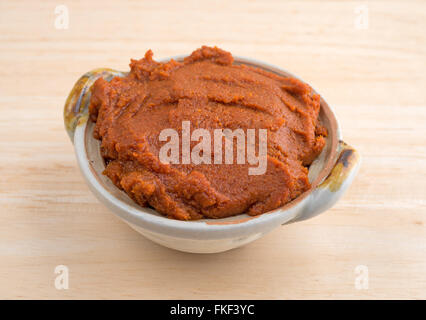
(373, 76)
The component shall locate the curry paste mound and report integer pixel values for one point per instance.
(211, 92)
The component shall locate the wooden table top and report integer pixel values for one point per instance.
(371, 71)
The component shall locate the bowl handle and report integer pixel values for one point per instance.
(334, 186)
(77, 104)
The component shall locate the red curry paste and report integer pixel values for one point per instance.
(211, 92)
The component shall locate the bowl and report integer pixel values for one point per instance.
(330, 175)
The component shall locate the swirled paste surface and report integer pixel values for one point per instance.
(211, 92)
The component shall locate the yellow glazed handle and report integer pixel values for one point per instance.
(334, 186)
(347, 161)
(77, 103)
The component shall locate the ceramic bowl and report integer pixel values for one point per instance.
(330, 175)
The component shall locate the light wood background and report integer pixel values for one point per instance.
(374, 79)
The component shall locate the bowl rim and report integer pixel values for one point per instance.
(207, 228)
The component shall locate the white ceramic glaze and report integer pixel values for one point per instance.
(330, 176)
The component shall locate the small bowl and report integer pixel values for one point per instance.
(330, 175)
